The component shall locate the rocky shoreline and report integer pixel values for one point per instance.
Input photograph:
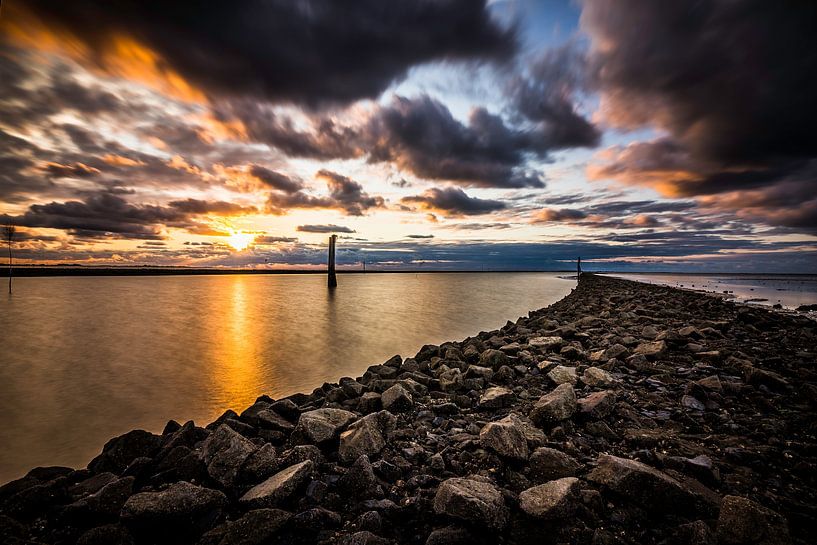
(624, 413)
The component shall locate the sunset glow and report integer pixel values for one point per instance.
(518, 141)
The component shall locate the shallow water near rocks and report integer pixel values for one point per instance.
(790, 291)
(83, 359)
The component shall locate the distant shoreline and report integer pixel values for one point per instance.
(46, 270)
(177, 271)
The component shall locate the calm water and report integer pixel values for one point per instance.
(85, 358)
(790, 291)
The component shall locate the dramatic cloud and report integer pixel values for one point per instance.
(324, 229)
(312, 53)
(345, 195)
(732, 83)
(421, 136)
(558, 214)
(106, 214)
(453, 202)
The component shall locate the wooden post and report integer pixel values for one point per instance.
(579, 267)
(333, 281)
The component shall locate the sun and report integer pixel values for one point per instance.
(239, 240)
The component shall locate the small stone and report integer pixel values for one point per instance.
(397, 399)
(547, 464)
(597, 378)
(493, 358)
(652, 349)
(280, 487)
(563, 375)
(547, 343)
(618, 351)
(496, 398)
(224, 452)
(472, 500)
(558, 405)
(712, 383)
(644, 485)
(505, 438)
(322, 425)
(256, 527)
(551, 500)
(597, 404)
(691, 403)
(367, 435)
(743, 521)
(182, 509)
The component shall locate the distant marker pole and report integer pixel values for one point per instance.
(579, 267)
(333, 280)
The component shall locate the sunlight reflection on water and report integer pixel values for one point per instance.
(85, 358)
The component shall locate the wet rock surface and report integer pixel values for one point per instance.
(625, 413)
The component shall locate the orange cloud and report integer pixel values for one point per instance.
(121, 55)
(120, 161)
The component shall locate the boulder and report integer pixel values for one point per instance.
(597, 404)
(119, 452)
(616, 351)
(651, 350)
(397, 399)
(280, 487)
(182, 509)
(597, 378)
(653, 490)
(224, 452)
(547, 464)
(496, 398)
(256, 527)
(554, 499)
(744, 522)
(504, 438)
(563, 375)
(367, 435)
(321, 425)
(546, 343)
(473, 500)
(493, 359)
(552, 408)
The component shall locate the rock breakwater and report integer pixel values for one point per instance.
(624, 413)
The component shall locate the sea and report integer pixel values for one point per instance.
(86, 358)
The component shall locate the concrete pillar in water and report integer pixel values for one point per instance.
(333, 280)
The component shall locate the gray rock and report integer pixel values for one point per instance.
(473, 500)
(691, 403)
(554, 499)
(224, 452)
(397, 399)
(496, 398)
(558, 405)
(359, 481)
(280, 487)
(618, 351)
(369, 403)
(743, 522)
(256, 527)
(644, 485)
(493, 358)
(504, 438)
(119, 452)
(563, 375)
(181, 509)
(597, 378)
(367, 435)
(323, 425)
(546, 343)
(547, 464)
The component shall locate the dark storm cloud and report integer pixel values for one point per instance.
(345, 195)
(324, 229)
(732, 83)
(421, 136)
(558, 214)
(276, 180)
(545, 94)
(74, 170)
(453, 201)
(315, 52)
(104, 214)
(419, 236)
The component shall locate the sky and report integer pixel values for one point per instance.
(427, 134)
